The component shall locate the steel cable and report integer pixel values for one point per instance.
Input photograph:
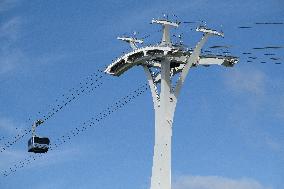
(88, 85)
(92, 122)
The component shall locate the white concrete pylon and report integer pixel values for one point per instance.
(169, 60)
(164, 105)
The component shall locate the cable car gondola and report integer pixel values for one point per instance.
(38, 144)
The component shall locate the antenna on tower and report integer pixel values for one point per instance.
(166, 24)
(131, 40)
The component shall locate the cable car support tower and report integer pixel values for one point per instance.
(161, 63)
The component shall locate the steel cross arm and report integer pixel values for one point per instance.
(190, 61)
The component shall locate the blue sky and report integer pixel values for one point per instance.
(228, 128)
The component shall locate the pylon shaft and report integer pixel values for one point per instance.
(164, 105)
(164, 112)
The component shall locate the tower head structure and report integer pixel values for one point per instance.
(161, 63)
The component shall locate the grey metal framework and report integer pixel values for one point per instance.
(161, 63)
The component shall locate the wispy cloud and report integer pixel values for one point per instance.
(10, 55)
(9, 33)
(15, 158)
(263, 95)
(273, 144)
(57, 183)
(216, 182)
(251, 81)
(9, 126)
(9, 30)
(10, 60)
(9, 157)
(6, 5)
(280, 110)
(59, 156)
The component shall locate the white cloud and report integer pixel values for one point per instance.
(280, 109)
(6, 5)
(58, 156)
(273, 144)
(15, 158)
(252, 81)
(9, 126)
(9, 157)
(10, 60)
(9, 30)
(263, 90)
(56, 183)
(216, 182)
(10, 56)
